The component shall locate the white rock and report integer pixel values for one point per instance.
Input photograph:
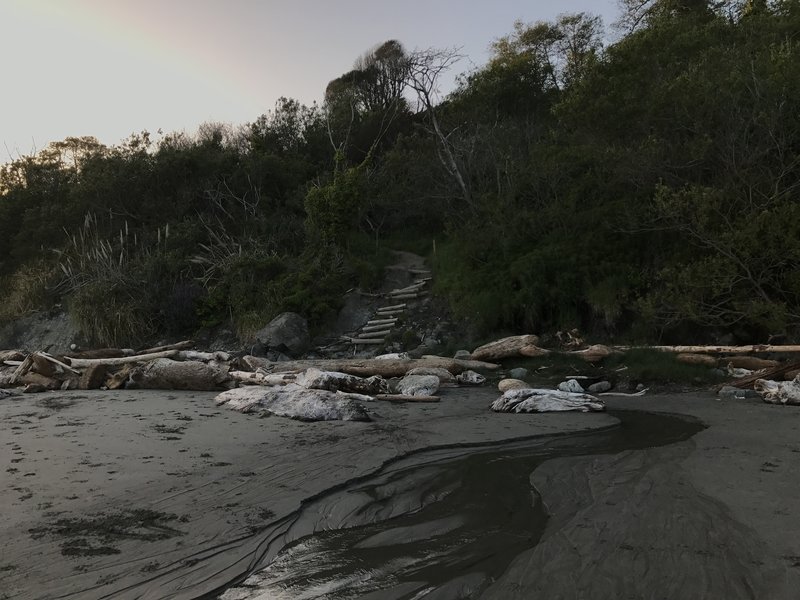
(571, 386)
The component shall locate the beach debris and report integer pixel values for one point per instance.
(341, 382)
(779, 392)
(418, 385)
(512, 384)
(262, 378)
(571, 385)
(393, 356)
(533, 400)
(296, 402)
(7, 394)
(504, 348)
(736, 372)
(470, 378)
(518, 373)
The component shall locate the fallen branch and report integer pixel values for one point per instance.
(752, 349)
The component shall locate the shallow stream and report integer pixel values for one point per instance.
(439, 524)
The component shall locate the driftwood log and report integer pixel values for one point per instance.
(80, 363)
(778, 372)
(166, 374)
(368, 367)
(752, 349)
(504, 348)
(779, 392)
(406, 398)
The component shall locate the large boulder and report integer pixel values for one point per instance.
(287, 333)
(540, 400)
(295, 402)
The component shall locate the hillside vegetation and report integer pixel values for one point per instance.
(645, 189)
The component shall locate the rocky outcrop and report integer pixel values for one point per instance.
(287, 333)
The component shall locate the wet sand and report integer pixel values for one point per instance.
(162, 495)
(142, 494)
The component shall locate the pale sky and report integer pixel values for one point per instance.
(109, 68)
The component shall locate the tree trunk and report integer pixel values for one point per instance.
(367, 367)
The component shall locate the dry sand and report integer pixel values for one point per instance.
(161, 495)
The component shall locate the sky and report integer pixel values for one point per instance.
(109, 68)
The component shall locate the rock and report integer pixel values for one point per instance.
(7, 394)
(51, 333)
(463, 355)
(518, 373)
(470, 378)
(166, 374)
(445, 376)
(599, 387)
(512, 384)
(287, 333)
(539, 400)
(641, 387)
(340, 382)
(418, 385)
(296, 402)
(728, 392)
(571, 386)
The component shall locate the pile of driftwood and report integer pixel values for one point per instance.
(178, 367)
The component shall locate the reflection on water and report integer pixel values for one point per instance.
(442, 524)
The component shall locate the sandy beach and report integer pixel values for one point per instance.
(140, 494)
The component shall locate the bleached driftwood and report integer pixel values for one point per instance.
(504, 348)
(533, 351)
(595, 353)
(512, 384)
(769, 374)
(80, 363)
(405, 398)
(203, 356)
(12, 355)
(470, 378)
(367, 367)
(341, 382)
(259, 378)
(704, 360)
(382, 322)
(779, 392)
(540, 400)
(166, 374)
(184, 345)
(296, 402)
(751, 349)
